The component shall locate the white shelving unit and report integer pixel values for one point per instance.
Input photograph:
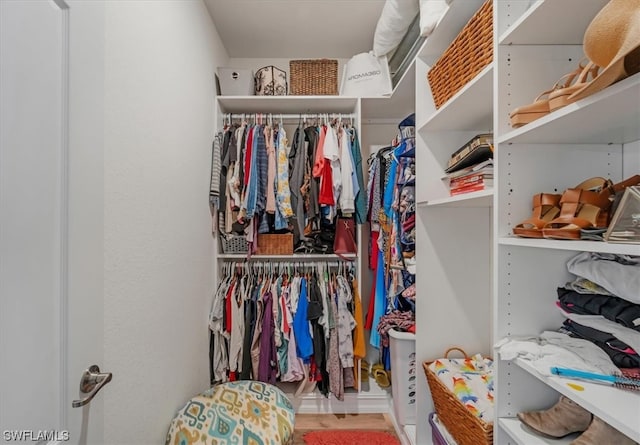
(596, 136)
(477, 283)
(361, 400)
(453, 233)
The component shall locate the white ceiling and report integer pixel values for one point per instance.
(295, 28)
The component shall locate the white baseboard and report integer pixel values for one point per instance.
(354, 403)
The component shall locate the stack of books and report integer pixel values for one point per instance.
(471, 179)
(478, 149)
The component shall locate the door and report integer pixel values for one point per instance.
(51, 235)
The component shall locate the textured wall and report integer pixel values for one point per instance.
(160, 62)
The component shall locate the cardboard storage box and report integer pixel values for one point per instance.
(235, 82)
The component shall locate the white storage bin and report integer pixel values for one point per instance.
(235, 82)
(402, 346)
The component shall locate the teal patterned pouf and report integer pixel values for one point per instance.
(235, 413)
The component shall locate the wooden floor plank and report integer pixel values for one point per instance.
(314, 422)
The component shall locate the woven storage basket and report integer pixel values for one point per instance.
(314, 77)
(275, 244)
(462, 424)
(232, 243)
(468, 54)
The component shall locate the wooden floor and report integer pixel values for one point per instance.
(315, 422)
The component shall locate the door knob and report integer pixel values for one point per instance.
(91, 382)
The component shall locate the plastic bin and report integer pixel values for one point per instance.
(437, 436)
(235, 82)
(402, 346)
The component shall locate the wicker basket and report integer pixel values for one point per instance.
(462, 424)
(314, 77)
(468, 54)
(275, 244)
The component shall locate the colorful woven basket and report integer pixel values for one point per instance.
(465, 427)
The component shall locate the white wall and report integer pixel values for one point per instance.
(160, 61)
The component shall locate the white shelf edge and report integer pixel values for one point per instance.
(448, 27)
(626, 88)
(523, 18)
(411, 67)
(287, 104)
(615, 406)
(572, 245)
(559, 20)
(485, 75)
(524, 436)
(410, 433)
(292, 257)
(481, 198)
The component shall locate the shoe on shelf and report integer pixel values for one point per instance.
(563, 418)
(586, 206)
(546, 207)
(529, 113)
(541, 105)
(561, 97)
(600, 433)
(612, 41)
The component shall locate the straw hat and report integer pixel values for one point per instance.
(612, 41)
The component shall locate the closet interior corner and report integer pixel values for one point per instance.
(476, 285)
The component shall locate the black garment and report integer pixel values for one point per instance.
(314, 312)
(621, 354)
(612, 308)
(211, 350)
(243, 152)
(224, 167)
(250, 311)
(313, 207)
(262, 161)
(297, 162)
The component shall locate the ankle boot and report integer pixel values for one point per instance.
(600, 433)
(565, 417)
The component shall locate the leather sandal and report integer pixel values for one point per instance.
(561, 96)
(540, 106)
(545, 208)
(529, 113)
(584, 207)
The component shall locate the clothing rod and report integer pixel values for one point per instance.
(291, 115)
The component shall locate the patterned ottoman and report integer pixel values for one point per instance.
(235, 413)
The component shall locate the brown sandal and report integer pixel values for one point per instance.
(541, 105)
(529, 113)
(560, 97)
(545, 208)
(585, 206)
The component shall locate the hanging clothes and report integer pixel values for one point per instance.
(265, 325)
